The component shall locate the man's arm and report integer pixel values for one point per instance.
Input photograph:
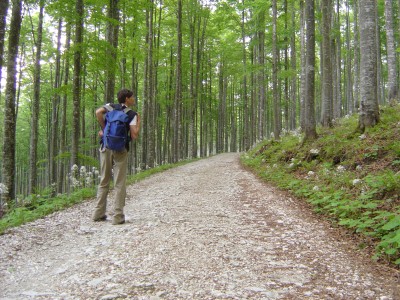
(134, 129)
(100, 118)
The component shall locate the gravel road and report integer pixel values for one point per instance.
(205, 230)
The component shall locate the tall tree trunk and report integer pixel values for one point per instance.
(391, 54)
(369, 108)
(337, 101)
(54, 114)
(303, 64)
(35, 106)
(327, 103)
(10, 122)
(310, 126)
(112, 41)
(150, 93)
(356, 92)
(177, 141)
(261, 77)
(246, 125)
(77, 82)
(286, 59)
(221, 107)
(293, 66)
(63, 164)
(3, 14)
(275, 54)
(349, 71)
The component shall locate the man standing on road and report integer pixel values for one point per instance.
(115, 162)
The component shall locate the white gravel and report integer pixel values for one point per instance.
(206, 230)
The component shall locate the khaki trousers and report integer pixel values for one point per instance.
(107, 158)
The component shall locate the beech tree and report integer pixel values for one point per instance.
(391, 54)
(8, 168)
(77, 81)
(309, 114)
(3, 14)
(36, 106)
(327, 103)
(369, 108)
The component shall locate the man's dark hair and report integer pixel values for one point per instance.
(123, 94)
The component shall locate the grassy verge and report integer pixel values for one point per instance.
(352, 179)
(39, 207)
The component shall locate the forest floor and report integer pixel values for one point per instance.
(205, 230)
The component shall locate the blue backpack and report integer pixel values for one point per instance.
(115, 134)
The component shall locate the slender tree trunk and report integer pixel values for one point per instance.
(77, 82)
(349, 80)
(150, 94)
(177, 141)
(192, 117)
(54, 114)
(275, 54)
(3, 14)
(112, 40)
(246, 125)
(303, 65)
(337, 101)
(261, 77)
(221, 108)
(286, 78)
(62, 170)
(35, 106)
(327, 103)
(293, 66)
(356, 92)
(10, 122)
(369, 108)
(391, 54)
(310, 126)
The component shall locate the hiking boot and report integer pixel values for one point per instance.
(119, 219)
(115, 222)
(101, 219)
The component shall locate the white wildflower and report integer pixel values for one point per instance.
(310, 173)
(291, 165)
(316, 188)
(359, 167)
(89, 181)
(74, 168)
(82, 171)
(75, 182)
(357, 181)
(3, 188)
(314, 151)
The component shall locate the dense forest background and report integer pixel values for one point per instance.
(209, 77)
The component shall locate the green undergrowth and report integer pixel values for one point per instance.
(352, 179)
(37, 207)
